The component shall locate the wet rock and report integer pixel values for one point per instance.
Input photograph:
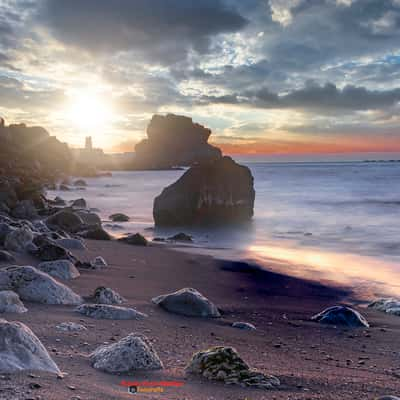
(105, 311)
(79, 203)
(58, 201)
(341, 315)
(99, 263)
(10, 302)
(187, 302)
(225, 365)
(389, 306)
(104, 295)
(95, 234)
(70, 327)
(61, 269)
(66, 220)
(80, 183)
(5, 229)
(132, 353)
(34, 285)
(50, 251)
(181, 237)
(71, 244)
(89, 218)
(136, 240)
(119, 217)
(244, 325)
(21, 350)
(6, 257)
(25, 209)
(217, 192)
(18, 239)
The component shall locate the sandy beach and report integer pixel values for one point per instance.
(311, 360)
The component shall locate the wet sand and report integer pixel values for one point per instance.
(311, 360)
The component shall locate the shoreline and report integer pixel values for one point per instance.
(310, 359)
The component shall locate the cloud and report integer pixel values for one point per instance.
(163, 31)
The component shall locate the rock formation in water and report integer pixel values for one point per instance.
(216, 192)
(174, 140)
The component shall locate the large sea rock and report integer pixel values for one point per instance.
(21, 350)
(37, 286)
(217, 192)
(174, 140)
(341, 316)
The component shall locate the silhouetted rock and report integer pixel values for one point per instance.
(18, 239)
(89, 218)
(342, 316)
(6, 257)
(136, 240)
(119, 217)
(25, 209)
(95, 234)
(66, 220)
(174, 140)
(47, 250)
(79, 203)
(216, 192)
(181, 237)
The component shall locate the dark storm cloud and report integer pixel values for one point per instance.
(315, 97)
(158, 30)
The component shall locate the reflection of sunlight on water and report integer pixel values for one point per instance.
(372, 274)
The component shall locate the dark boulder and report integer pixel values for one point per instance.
(119, 217)
(66, 220)
(6, 257)
(181, 237)
(89, 218)
(80, 183)
(47, 250)
(79, 203)
(96, 234)
(25, 209)
(211, 193)
(136, 240)
(342, 316)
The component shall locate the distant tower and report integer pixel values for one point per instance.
(88, 143)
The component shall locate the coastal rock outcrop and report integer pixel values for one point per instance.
(34, 285)
(217, 192)
(225, 365)
(10, 302)
(105, 311)
(21, 350)
(47, 250)
(18, 239)
(66, 220)
(189, 302)
(104, 295)
(61, 269)
(389, 306)
(342, 316)
(136, 240)
(132, 353)
(6, 257)
(119, 217)
(70, 327)
(174, 140)
(97, 233)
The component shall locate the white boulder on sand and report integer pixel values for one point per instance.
(225, 365)
(34, 285)
(189, 302)
(389, 306)
(10, 302)
(70, 327)
(132, 353)
(105, 311)
(342, 316)
(61, 269)
(104, 295)
(21, 350)
(99, 262)
(18, 239)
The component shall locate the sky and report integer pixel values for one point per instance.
(277, 77)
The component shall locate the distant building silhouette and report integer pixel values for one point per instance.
(88, 143)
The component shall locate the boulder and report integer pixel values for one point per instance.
(18, 239)
(105, 311)
(79, 203)
(119, 217)
(181, 237)
(10, 302)
(213, 193)
(99, 263)
(70, 327)
(50, 251)
(21, 350)
(60, 269)
(25, 209)
(64, 188)
(80, 183)
(36, 286)
(6, 257)
(66, 220)
(187, 302)
(89, 218)
(71, 244)
(136, 240)
(104, 295)
(244, 325)
(130, 354)
(95, 234)
(389, 306)
(5, 229)
(341, 316)
(225, 365)
(58, 201)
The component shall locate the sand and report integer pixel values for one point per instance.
(311, 360)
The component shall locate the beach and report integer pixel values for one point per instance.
(312, 361)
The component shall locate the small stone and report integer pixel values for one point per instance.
(244, 325)
(99, 263)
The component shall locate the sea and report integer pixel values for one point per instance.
(334, 222)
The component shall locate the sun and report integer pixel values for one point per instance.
(89, 110)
